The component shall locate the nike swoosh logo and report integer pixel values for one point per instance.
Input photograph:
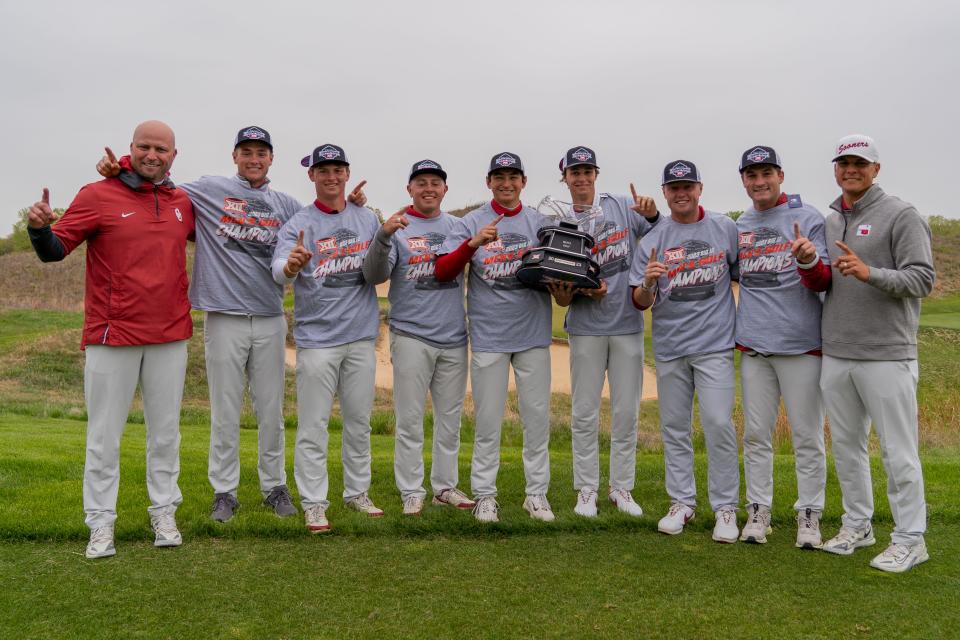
(127, 215)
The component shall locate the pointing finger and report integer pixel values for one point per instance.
(796, 230)
(844, 246)
(633, 192)
(357, 189)
(110, 156)
(300, 239)
(497, 221)
(653, 254)
(45, 198)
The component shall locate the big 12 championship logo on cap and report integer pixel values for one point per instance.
(329, 153)
(505, 160)
(758, 155)
(680, 170)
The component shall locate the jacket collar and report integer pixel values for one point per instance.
(136, 182)
(873, 194)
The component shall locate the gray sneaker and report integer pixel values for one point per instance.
(224, 504)
(279, 499)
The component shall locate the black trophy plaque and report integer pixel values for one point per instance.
(563, 256)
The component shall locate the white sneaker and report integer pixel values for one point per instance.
(364, 504)
(624, 501)
(678, 515)
(101, 543)
(847, 540)
(413, 506)
(586, 503)
(725, 530)
(758, 524)
(486, 509)
(165, 528)
(898, 558)
(808, 529)
(538, 508)
(454, 498)
(315, 518)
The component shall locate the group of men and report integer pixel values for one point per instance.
(252, 241)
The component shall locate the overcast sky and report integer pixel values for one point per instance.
(393, 82)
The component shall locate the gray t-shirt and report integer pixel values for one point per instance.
(616, 234)
(237, 229)
(776, 314)
(420, 306)
(505, 316)
(333, 304)
(693, 312)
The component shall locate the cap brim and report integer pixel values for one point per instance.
(240, 142)
(306, 162)
(679, 180)
(581, 164)
(855, 155)
(436, 172)
(757, 164)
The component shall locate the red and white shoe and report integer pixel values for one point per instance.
(678, 515)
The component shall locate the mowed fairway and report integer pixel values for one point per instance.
(442, 575)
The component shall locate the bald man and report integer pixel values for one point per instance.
(136, 323)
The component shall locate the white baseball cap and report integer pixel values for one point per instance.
(857, 145)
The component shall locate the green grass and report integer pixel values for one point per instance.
(443, 574)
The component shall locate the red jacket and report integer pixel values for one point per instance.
(136, 281)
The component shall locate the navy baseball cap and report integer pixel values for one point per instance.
(578, 156)
(505, 160)
(759, 155)
(680, 171)
(427, 166)
(253, 134)
(325, 153)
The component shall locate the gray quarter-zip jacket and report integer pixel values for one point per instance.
(877, 319)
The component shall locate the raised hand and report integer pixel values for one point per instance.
(644, 205)
(850, 264)
(357, 196)
(655, 269)
(396, 222)
(487, 234)
(108, 166)
(299, 258)
(41, 215)
(802, 249)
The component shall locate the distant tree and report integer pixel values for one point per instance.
(18, 240)
(462, 211)
(733, 215)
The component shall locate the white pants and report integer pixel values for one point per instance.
(854, 392)
(347, 370)
(763, 381)
(239, 348)
(620, 358)
(110, 377)
(712, 377)
(418, 368)
(489, 377)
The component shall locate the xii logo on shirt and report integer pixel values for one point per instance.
(695, 269)
(249, 226)
(340, 258)
(764, 254)
(501, 259)
(422, 260)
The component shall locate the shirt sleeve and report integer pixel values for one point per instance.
(286, 239)
(80, 221)
(914, 273)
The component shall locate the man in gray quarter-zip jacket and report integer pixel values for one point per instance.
(882, 265)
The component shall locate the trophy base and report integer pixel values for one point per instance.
(543, 266)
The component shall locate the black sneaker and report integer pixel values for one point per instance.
(224, 504)
(279, 499)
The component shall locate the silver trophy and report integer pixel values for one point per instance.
(565, 250)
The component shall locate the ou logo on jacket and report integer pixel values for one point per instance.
(177, 213)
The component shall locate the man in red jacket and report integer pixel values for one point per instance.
(136, 323)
